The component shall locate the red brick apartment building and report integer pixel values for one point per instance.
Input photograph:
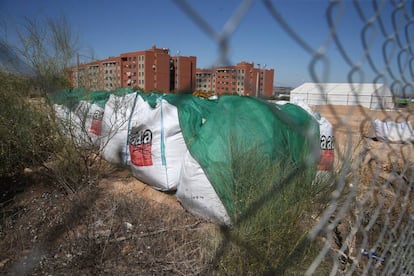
(98, 75)
(184, 73)
(155, 69)
(242, 79)
(149, 70)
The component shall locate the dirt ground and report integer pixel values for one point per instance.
(119, 227)
(123, 227)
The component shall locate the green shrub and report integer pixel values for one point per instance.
(30, 138)
(26, 132)
(277, 203)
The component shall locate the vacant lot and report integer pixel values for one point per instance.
(122, 226)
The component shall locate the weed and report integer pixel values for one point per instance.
(275, 203)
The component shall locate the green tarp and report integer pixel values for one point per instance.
(71, 97)
(220, 133)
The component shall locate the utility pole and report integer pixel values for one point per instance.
(264, 78)
(178, 71)
(77, 69)
(257, 80)
(78, 63)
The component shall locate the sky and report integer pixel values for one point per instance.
(302, 40)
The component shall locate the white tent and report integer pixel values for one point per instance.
(370, 95)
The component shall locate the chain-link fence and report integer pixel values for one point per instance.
(367, 227)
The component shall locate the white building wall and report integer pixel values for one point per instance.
(369, 95)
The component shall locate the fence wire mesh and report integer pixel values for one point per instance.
(367, 227)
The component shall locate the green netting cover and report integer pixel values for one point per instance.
(192, 111)
(97, 97)
(152, 97)
(67, 97)
(122, 91)
(220, 133)
(71, 97)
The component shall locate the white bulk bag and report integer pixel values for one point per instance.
(96, 116)
(156, 144)
(380, 130)
(62, 114)
(197, 195)
(87, 122)
(326, 161)
(327, 152)
(64, 120)
(80, 124)
(114, 135)
(394, 132)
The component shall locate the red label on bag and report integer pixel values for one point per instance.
(141, 155)
(140, 145)
(327, 160)
(96, 124)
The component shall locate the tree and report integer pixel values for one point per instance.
(43, 50)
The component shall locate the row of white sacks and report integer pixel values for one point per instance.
(149, 139)
(394, 132)
(129, 131)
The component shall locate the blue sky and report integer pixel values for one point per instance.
(108, 28)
